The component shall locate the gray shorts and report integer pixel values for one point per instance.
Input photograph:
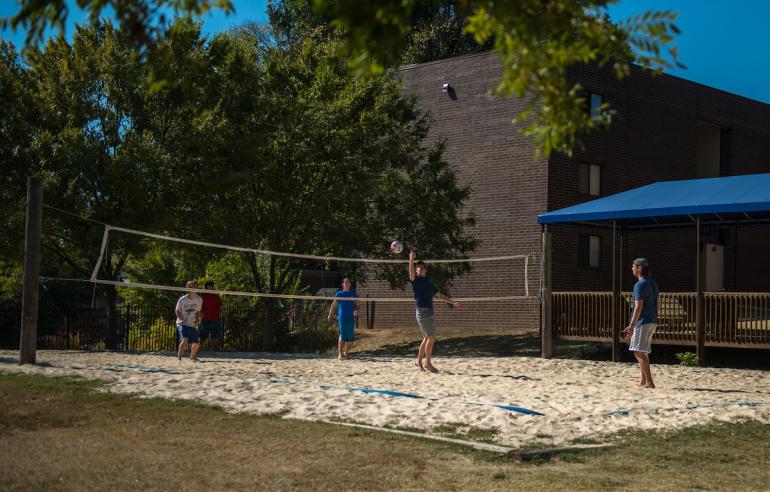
(427, 323)
(641, 340)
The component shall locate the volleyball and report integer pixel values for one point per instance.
(396, 247)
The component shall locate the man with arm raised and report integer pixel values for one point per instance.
(424, 291)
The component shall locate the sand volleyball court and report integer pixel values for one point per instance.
(519, 400)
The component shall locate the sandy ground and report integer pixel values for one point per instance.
(525, 400)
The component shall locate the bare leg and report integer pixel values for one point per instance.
(421, 353)
(339, 349)
(644, 366)
(182, 348)
(194, 351)
(428, 352)
(347, 349)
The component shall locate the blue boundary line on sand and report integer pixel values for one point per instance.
(509, 408)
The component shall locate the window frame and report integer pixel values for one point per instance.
(584, 251)
(589, 166)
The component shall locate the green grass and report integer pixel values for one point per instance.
(68, 434)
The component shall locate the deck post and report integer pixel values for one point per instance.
(615, 297)
(700, 331)
(546, 325)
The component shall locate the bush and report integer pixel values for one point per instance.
(161, 335)
(689, 359)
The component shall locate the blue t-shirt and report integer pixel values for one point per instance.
(647, 290)
(345, 308)
(424, 290)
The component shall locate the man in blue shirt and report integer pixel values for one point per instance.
(424, 290)
(347, 312)
(644, 319)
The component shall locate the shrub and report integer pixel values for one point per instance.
(689, 359)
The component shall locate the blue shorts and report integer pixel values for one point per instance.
(212, 328)
(188, 332)
(347, 327)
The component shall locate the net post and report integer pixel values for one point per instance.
(95, 273)
(31, 293)
(546, 325)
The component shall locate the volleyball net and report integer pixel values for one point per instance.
(317, 277)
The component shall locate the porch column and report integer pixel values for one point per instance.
(546, 325)
(700, 332)
(615, 297)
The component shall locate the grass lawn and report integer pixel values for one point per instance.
(63, 433)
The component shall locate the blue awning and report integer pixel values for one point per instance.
(729, 197)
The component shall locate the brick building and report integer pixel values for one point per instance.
(666, 128)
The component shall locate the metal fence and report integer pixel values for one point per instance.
(153, 328)
(728, 319)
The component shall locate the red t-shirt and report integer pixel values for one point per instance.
(212, 305)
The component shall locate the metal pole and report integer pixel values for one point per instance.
(700, 332)
(615, 298)
(31, 292)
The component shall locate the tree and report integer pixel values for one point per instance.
(538, 40)
(112, 150)
(16, 117)
(336, 164)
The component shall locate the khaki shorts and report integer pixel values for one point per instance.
(641, 340)
(426, 323)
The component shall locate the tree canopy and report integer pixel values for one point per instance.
(247, 142)
(537, 40)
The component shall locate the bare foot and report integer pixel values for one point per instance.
(340, 357)
(650, 385)
(419, 364)
(431, 368)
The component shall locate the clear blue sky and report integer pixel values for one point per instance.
(723, 43)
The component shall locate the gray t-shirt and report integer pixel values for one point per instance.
(189, 309)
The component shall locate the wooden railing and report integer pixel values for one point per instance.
(584, 315)
(728, 318)
(737, 319)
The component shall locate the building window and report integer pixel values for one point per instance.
(595, 102)
(589, 182)
(589, 249)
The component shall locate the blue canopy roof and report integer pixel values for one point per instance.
(736, 197)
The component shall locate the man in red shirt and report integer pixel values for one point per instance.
(212, 308)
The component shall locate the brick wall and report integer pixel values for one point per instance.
(508, 191)
(652, 139)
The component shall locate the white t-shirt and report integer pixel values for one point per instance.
(189, 308)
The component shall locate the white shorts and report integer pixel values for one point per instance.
(641, 340)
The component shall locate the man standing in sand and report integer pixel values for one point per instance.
(347, 312)
(188, 313)
(212, 311)
(424, 290)
(644, 319)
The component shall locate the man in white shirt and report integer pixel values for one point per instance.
(188, 314)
